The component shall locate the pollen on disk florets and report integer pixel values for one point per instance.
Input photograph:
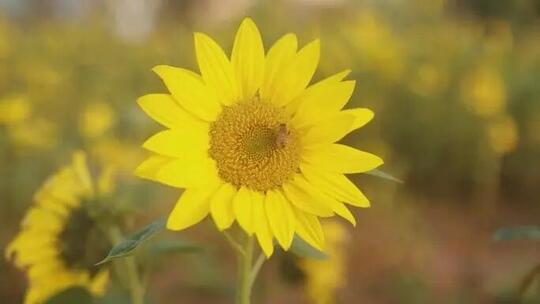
(253, 146)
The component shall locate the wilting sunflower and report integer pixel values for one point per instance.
(250, 141)
(60, 242)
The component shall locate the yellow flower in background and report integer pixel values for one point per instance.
(96, 119)
(430, 80)
(378, 47)
(14, 110)
(60, 242)
(325, 277)
(503, 134)
(23, 129)
(484, 91)
(122, 156)
(34, 133)
(251, 142)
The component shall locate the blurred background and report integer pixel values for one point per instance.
(455, 85)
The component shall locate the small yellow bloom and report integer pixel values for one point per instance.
(34, 133)
(429, 80)
(96, 119)
(14, 110)
(325, 277)
(503, 134)
(59, 242)
(121, 156)
(485, 91)
(378, 48)
(252, 142)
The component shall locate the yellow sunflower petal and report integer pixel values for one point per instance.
(280, 217)
(25, 258)
(216, 69)
(341, 158)
(44, 271)
(42, 219)
(105, 183)
(309, 229)
(298, 75)
(221, 206)
(98, 283)
(328, 131)
(322, 99)
(336, 185)
(27, 242)
(314, 92)
(306, 197)
(46, 201)
(262, 229)
(63, 187)
(176, 143)
(248, 58)
(188, 172)
(320, 198)
(278, 60)
(337, 207)
(243, 209)
(42, 292)
(166, 111)
(80, 169)
(362, 117)
(192, 207)
(342, 210)
(149, 168)
(190, 92)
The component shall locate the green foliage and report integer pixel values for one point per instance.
(170, 245)
(517, 233)
(384, 175)
(115, 295)
(77, 295)
(129, 245)
(305, 250)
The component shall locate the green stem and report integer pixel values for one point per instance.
(234, 243)
(256, 268)
(129, 268)
(135, 286)
(244, 267)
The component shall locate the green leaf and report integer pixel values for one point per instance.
(128, 246)
(77, 295)
(172, 245)
(517, 233)
(382, 174)
(115, 295)
(305, 250)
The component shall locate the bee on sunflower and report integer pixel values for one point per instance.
(251, 141)
(60, 239)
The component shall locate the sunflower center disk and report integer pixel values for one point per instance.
(82, 244)
(253, 146)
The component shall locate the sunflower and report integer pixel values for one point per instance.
(250, 141)
(60, 242)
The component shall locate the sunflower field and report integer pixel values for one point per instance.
(269, 151)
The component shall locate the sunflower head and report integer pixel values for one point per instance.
(81, 232)
(252, 141)
(253, 147)
(60, 241)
